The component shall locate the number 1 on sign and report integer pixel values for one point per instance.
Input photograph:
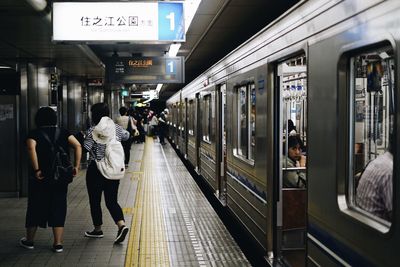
(171, 66)
(171, 17)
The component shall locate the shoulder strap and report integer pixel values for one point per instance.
(56, 136)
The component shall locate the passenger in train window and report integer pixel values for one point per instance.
(291, 128)
(294, 159)
(96, 183)
(47, 199)
(375, 188)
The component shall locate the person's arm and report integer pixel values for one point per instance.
(74, 143)
(31, 144)
(133, 123)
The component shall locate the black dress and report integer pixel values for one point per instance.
(47, 202)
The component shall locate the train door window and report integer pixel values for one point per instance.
(246, 122)
(292, 184)
(293, 82)
(191, 117)
(206, 115)
(372, 117)
(183, 116)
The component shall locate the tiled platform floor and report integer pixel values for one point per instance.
(171, 222)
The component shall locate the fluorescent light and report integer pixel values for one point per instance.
(384, 55)
(173, 49)
(191, 7)
(159, 86)
(38, 5)
(5, 67)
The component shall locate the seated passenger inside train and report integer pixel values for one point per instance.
(293, 159)
(375, 188)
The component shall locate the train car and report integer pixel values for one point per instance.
(290, 130)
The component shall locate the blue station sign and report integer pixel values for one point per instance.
(118, 21)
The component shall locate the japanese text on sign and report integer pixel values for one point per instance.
(118, 21)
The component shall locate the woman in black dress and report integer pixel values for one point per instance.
(47, 200)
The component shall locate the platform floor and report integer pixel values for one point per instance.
(171, 222)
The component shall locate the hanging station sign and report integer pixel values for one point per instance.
(118, 21)
(145, 70)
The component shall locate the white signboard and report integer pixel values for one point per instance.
(118, 21)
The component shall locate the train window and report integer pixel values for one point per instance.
(252, 120)
(372, 117)
(206, 115)
(183, 118)
(178, 117)
(242, 131)
(191, 119)
(246, 124)
(292, 75)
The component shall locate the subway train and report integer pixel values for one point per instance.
(328, 68)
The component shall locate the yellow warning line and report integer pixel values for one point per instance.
(147, 244)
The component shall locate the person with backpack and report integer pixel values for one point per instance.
(50, 173)
(106, 167)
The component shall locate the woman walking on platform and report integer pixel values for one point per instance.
(47, 196)
(95, 142)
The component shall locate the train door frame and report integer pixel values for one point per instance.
(185, 127)
(221, 143)
(198, 132)
(275, 225)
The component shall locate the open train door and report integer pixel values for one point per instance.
(290, 154)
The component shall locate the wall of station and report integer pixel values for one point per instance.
(17, 112)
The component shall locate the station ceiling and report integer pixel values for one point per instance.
(217, 28)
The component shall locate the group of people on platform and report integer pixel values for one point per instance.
(47, 189)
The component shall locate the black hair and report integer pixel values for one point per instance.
(291, 126)
(294, 140)
(99, 110)
(122, 111)
(45, 116)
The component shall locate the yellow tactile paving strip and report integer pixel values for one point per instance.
(147, 240)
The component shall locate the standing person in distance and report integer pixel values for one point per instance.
(162, 125)
(126, 122)
(95, 142)
(47, 199)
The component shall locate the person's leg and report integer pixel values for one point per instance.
(35, 212)
(30, 233)
(94, 186)
(127, 150)
(58, 213)
(161, 134)
(58, 233)
(111, 198)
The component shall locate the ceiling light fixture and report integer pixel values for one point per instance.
(158, 88)
(173, 49)
(190, 7)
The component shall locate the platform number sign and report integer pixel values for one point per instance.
(170, 66)
(171, 24)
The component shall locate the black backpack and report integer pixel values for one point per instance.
(60, 170)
